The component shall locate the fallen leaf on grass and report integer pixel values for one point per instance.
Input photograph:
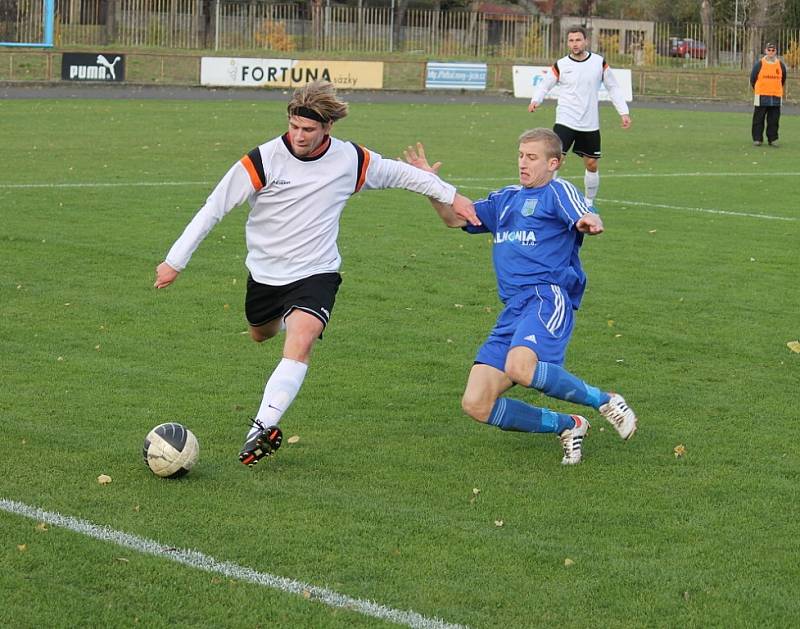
(679, 450)
(794, 346)
(41, 526)
(568, 562)
(104, 479)
(123, 560)
(293, 439)
(22, 547)
(498, 523)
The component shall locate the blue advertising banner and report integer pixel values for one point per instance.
(455, 76)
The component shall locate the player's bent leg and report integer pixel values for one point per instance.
(521, 364)
(302, 331)
(264, 437)
(591, 180)
(482, 402)
(484, 385)
(260, 333)
(557, 382)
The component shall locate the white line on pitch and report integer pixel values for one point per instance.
(198, 560)
(100, 184)
(698, 209)
(156, 184)
(606, 175)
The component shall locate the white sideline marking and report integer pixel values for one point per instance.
(640, 175)
(699, 209)
(198, 560)
(155, 184)
(100, 184)
(146, 184)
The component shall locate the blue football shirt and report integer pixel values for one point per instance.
(535, 240)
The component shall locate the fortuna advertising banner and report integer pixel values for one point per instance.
(245, 72)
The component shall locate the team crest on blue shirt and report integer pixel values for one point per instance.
(529, 207)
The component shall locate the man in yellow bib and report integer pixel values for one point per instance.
(767, 80)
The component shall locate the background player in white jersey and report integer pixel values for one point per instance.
(297, 185)
(538, 229)
(579, 76)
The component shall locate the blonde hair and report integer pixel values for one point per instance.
(317, 97)
(551, 141)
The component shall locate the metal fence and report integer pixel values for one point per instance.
(248, 26)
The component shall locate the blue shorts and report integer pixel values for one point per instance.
(541, 319)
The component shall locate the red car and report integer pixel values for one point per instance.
(687, 48)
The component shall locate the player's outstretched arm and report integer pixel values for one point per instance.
(590, 224)
(457, 214)
(165, 275)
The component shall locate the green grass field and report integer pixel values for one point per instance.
(692, 300)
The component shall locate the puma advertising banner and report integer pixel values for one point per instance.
(92, 67)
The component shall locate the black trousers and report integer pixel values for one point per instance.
(772, 115)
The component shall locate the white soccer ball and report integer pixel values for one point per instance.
(170, 450)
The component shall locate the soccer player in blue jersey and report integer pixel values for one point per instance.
(538, 228)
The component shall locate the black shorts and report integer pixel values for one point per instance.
(314, 295)
(583, 143)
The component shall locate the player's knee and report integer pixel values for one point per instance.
(257, 335)
(520, 372)
(476, 407)
(261, 333)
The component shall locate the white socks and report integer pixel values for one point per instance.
(279, 393)
(591, 184)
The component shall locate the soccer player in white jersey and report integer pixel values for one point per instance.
(537, 228)
(579, 76)
(296, 185)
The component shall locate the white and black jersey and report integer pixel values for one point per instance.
(579, 83)
(296, 203)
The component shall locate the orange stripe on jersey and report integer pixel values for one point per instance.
(256, 177)
(363, 165)
(554, 68)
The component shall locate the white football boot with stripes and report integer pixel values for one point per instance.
(572, 440)
(621, 416)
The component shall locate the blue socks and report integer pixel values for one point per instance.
(559, 383)
(510, 414)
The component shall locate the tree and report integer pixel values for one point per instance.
(555, 27)
(709, 32)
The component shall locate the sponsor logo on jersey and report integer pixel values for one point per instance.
(527, 238)
(280, 182)
(531, 338)
(530, 207)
